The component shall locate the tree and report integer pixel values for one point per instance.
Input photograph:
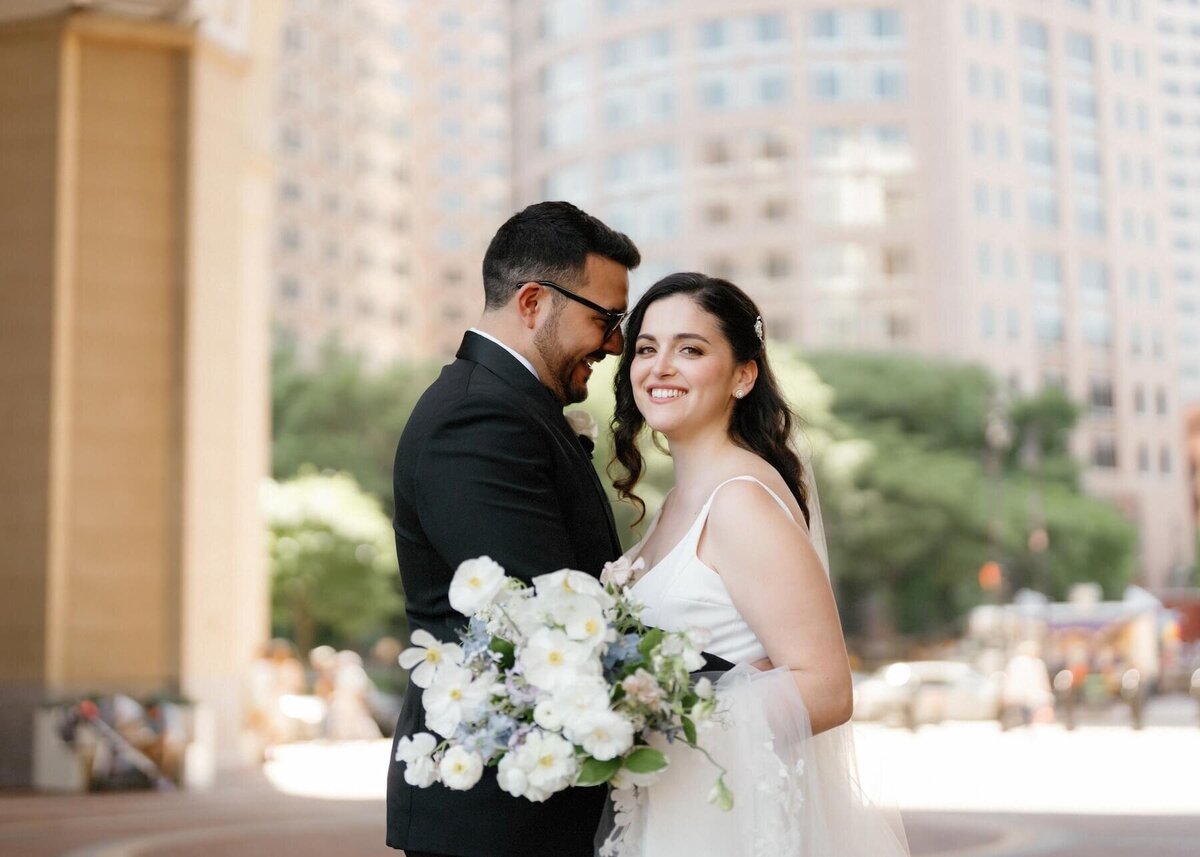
(333, 566)
(338, 416)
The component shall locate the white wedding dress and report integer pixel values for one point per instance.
(795, 795)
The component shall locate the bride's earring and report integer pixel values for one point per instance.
(739, 394)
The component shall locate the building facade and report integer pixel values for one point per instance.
(974, 180)
(1178, 49)
(393, 142)
(134, 431)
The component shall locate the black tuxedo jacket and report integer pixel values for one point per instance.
(487, 465)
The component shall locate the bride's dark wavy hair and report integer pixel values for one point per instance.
(762, 421)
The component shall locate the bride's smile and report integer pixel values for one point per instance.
(683, 372)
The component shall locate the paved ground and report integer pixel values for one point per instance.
(967, 790)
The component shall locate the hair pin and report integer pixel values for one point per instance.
(758, 328)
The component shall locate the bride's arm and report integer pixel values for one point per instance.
(778, 584)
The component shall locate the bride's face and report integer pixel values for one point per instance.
(683, 371)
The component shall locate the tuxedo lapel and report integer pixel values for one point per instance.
(498, 361)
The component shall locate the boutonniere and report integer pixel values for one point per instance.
(584, 425)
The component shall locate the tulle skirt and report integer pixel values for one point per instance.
(794, 795)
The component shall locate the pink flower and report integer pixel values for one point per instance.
(621, 571)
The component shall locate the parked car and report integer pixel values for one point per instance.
(917, 692)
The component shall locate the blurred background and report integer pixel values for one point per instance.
(238, 239)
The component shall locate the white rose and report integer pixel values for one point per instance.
(422, 773)
(643, 688)
(460, 769)
(409, 750)
(545, 714)
(475, 584)
(511, 777)
(427, 654)
(604, 734)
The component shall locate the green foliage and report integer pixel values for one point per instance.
(333, 566)
(338, 416)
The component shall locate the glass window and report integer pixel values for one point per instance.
(1093, 281)
(772, 87)
(1081, 104)
(1080, 51)
(714, 34)
(827, 26)
(1036, 93)
(1043, 206)
(1035, 40)
(1050, 323)
(1089, 215)
(883, 25)
(769, 28)
(1085, 156)
(1039, 150)
(1104, 453)
(829, 83)
(716, 92)
(887, 82)
(983, 260)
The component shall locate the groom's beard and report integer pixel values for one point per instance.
(561, 368)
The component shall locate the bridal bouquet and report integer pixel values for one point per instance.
(556, 685)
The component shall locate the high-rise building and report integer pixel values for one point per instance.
(1178, 55)
(976, 180)
(393, 172)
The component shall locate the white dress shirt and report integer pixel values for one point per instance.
(520, 357)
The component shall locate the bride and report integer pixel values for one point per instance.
(736, 550)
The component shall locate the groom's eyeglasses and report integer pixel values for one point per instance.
(613, 318)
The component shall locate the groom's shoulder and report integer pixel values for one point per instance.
(465, 391)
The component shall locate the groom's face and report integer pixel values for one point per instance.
(572, 339)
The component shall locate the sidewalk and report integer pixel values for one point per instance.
(327, 799)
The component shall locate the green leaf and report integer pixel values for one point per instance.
(645, 760)
(689, 730)
(594, 772)
(650, 642)
(508, 653)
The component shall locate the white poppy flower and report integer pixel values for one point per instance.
(572, 703)
(548, 761)
(603, 734)
(567, 581)
(422, 773)
(409, 750)
(427, 654)
(627, 779)
(453, 697)
(475, 584)
(550, 660)
(583, 619)
(460, 769)
(546, 715)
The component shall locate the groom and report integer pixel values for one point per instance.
(488, 465)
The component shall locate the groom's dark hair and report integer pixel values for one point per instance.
(549, 241)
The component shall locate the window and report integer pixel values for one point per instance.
(1104, 453)
(775, 209)
(1093, 281)
(1101, 396)
(1046, 272)
(1143, 458)
(1097, 328)
(886, 82)
(1043, 206)
(1035, 40)
(829, 82)
(1081, 104)
(1080, 52)
(1085, 156)
(717, 212)
(769, 28)
(1164, 460)
(1089, 215)
(772, 87)
(1049, 323)
(1036, 93)
(716, 92)
(827, 26)
(883, 25)
(714, 34)
(776, 266)
(1039, 151)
